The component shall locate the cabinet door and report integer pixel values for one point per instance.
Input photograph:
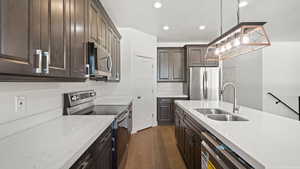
(164, 65)
(59, 37)
(118, 59)
(196, 56)
(78, 38)
(178, 65)
(197, 148)
(103, 32)
(165, 111)
(19, 35)
(93, 22)
(104, 153)
(189, 151)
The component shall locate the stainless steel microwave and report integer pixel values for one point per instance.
(99, 60)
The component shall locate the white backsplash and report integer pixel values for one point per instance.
(170, 88)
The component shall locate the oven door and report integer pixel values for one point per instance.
(122, 139)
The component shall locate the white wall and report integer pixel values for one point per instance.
(170, 88)
(274, 69)
(246, 72)
(281, 76)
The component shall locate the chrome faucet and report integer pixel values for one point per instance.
(235, 106)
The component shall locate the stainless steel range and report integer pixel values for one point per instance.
(83, 103)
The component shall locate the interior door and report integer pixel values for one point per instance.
(144, 101)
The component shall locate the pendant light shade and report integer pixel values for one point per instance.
(241, 39)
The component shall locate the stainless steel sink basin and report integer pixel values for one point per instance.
(211, 111)
(226, 117)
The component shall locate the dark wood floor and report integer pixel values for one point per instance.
(154, 148)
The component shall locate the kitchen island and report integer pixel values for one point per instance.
(266, 141)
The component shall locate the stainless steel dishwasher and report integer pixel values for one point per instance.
(215, 155)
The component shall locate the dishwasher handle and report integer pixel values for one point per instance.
(208, 138)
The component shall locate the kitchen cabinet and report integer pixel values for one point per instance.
(94, 20)
(98, 155)
(107, 39)
(20, 36)
(188, 137)
(166, 110)
(59, 35)
(78, 38)
(171, 65)
(196, 56)
(38, 38)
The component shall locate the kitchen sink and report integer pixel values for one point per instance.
(226, 117)
(211, 111)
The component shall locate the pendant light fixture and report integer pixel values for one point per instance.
(243, 38)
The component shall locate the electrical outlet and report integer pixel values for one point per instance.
(20, 104)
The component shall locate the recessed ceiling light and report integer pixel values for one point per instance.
(202, 27)
(157, 4)
(166, 28)
(243, 4)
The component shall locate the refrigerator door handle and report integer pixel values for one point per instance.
(205, 85)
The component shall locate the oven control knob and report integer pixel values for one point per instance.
(92, 94)
(77, 97)
(73, 98)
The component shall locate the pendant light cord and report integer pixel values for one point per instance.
(221, 17)
(238, 11)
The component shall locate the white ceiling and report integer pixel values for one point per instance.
(185, 16)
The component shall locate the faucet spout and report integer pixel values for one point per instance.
(235, 106)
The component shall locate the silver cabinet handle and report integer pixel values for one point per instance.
(45, 62)
(87, 68)
(38, 61)
(110, 63)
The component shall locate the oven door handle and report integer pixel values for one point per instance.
(224, 153)
(123, 118)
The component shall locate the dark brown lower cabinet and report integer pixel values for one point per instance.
(188, 136)
(189, 152)
(166, 110)
(99, 155)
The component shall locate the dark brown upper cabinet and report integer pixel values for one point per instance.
(171, 65)
(20, 35)
(38, 38)
(79, 27)
(105, 35)
(59, 28)
(195, 55)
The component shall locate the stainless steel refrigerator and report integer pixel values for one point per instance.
(204, 83)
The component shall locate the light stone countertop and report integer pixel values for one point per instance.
(56, 144)
(266, 141)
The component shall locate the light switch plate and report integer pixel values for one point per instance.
(20, 104)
